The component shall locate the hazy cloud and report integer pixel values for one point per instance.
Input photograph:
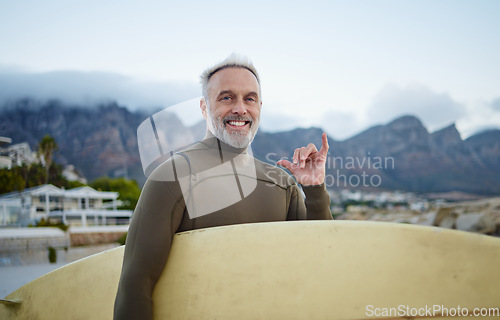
(436, 110)
(340, 125)
(495, 104)
(272, 122)
(88, 88)
(481, 116)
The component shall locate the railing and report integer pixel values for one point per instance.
(96, 214)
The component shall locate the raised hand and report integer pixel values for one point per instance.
(308, 165)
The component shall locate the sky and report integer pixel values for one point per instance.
(340, 65)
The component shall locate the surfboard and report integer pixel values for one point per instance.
(288, 270)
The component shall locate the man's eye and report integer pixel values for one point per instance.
(225, 98)
(250, 99)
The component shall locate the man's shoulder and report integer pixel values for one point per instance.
(171, 169)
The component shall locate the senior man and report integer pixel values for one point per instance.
(216, 182)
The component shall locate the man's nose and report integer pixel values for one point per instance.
(239, 107)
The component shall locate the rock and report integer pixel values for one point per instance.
(476, 222)
(448, 222)
(427, 219)
(441, 214)
(351, 216)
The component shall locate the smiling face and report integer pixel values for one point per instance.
(233, 107)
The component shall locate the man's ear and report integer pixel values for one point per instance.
(203, 107)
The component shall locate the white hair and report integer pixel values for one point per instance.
(233, 61)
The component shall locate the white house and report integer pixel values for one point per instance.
(78, 206)
(16, 154)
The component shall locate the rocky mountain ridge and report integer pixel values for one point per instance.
(423, 161)
(402, 154)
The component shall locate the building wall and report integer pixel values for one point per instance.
(5, 162)
(85, 239)
(10, 212)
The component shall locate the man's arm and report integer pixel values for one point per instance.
(316, 206)
(155, 220)
(317, 202)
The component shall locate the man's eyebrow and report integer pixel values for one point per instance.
(251, 93)
(224, 92)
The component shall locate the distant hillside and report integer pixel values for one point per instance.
(430, 162)
(98, 140)
(399, 155)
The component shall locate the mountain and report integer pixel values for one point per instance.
(415, 160)
(400, 155)
(403, 155)
(98, 140)
(486, 146)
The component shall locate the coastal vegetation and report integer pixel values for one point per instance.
(128, 190)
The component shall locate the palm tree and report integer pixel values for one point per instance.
(46, 147)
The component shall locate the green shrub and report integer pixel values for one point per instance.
(52, 255)
(45, 223)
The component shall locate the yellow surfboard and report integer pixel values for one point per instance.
(289, 270)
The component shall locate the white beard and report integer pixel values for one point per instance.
(237, 140)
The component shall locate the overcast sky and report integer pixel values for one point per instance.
(339, 65)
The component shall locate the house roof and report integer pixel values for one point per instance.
(36, 191)
(86, 191)
(44, 189)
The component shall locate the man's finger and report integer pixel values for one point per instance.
(296, 155)
(304, 153)
(311, 148)
(285, 163)
(324, 144)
